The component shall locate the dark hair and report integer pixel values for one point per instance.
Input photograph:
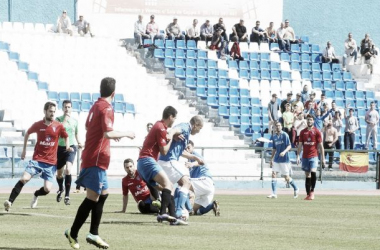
(191, 142)
(66, 101)
(149, 124)
(168, 111)
(48, 105)
(351, 110)
(234, 39)
(309, 116)
(129, 160)
(373, 102)
(107, 86)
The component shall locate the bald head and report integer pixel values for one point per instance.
(196, 124)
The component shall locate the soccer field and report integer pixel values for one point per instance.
(246, 222)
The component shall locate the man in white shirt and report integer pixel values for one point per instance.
(329, 54)
(207, 31)
(83, 27)
(139, 32)
(351, 49)
(193, 32)
(64, 24)
(372, 120)
(173, 31)
(289, 33)
(153, 30)
(282, 43)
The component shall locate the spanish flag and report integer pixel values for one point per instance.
(354, 162)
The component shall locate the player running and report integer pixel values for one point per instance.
(95, 162)
(280, 160)
(310, 141)
(177, 171)
(146, 197)
(202, 185)
(64, 157)
(45, 155)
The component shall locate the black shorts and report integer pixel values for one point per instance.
(147, 208)
(63, 156)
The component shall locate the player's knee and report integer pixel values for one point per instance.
(273, 175)
(47, 189)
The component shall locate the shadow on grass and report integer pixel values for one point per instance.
(118, 222)
(27, 248)
(18, 214)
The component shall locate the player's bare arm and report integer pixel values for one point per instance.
(192, 157)
(26, 138)
(299, 149)
(118, 135)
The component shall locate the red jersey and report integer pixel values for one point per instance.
(154, 140)
(47, 140)
(97, 150)
(313, 106)
(310, 140)
(137, 186)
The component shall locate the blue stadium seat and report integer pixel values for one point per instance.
(256, 135)
(234, 121)
(148, 42)
(42, 86)
(202, 54)
(306, 66)
(212, 82)
(169, 44)
(350, 86)
(235, 111)
(317, 85)
(191, 54)
(223, 111)
(244, 65)
(180, 73)
(256, 120)
(52, 95)
(86, 97)
(244, 74)
(244, 93)
(201, 73)
(189, 73)
(169, 63)
(285, 57)
(32, 76)
(244, 101)
(246, 130)
(234, 83)
(95, 96)
(222, 83)
(316, 67)
(74, 96)
(234, 101)
(180, 63)
(295, 48)
(329, 94)
(274, 46)
(275, 66)
(336, 67)
(118, 107)
(361, 113)
(212, 64)
(306, 75)
(295, 66)
(85, 106)
(265, 57)
(159, 43)
(326, 67)
(370, 95)
(349, 95)
(305, 58)
(254, 65)
(213, 101)
(191, 44)
(327, 76)
(234, 92)
(286, 75)
(339, 103)
(190, 83)
(212, 73)
(245, 111)
(337, 76)
(76, 106)
(339, 94)
(347, 76)
(305, 48)
(360, 104)
(255, 75)
(245, 55)
(254, 56)
(201, 92)
(180, 53)
(169, 53)
(201, 64)
(223, 92)
(159, 53)
(315, 58)
(265, 75)
(223, 73)
(275, 75)
(223, 101)
(212, 91)
(190, 63)
(130, 108)
(232, 64)
(264, 65)
(245, 121)
(256, 111)
(4, 46)
(360, 95)
(317, 76)
(295, 57)
(362, 122)
(255, 102)
(315, 48)
(327, 85)
(305, 39)
(13, 56)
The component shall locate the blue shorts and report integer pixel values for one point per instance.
(93, 178)
(148, 168)
(309, 163)
(47, 171)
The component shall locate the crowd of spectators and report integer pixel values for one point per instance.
(81, 26)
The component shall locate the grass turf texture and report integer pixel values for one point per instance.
(247, 222)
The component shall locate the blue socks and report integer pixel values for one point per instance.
(274, 186)
(293, 184)
(205, 210)
(183, 196)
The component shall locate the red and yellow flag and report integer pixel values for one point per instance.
(354, 162)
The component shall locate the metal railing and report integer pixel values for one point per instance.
(260, 150)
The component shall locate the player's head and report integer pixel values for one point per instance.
(337, 114)
(49, 111)
(107, 87)
(196, 124)
(129, 166)
(169, 115)
(149, 126)
(190, 147)
(278, 127)
(66, 107)
(310, 121)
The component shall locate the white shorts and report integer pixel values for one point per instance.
(285, 168)
(175, 170)
(204, 190)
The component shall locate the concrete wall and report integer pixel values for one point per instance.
(35, 11)
(324, 20)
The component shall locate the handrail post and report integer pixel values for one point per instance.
(203, 152)
(13, 162)
(377, 170)
(320, 169)
(262, 165)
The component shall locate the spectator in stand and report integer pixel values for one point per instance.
(289, 33)
(305, 93)
(258, 34)
(240, 31)
(273, 108)
(207, 32)
(338, 124)
(329, 54)
(364, 45)
(298, 103)
(369, 55)
(299, 125)
(309, 110)
(218, 43)
(333, 109)
(283, 44)
(153, 30)
(286, 101)
(319, 118)
(352, 125)
(372, 120)
(270, 34)
(350, 49)
(311, 100)
(235, 50)
(173, 31)
(192, 32)
(288, 118)
(221, 25)
(321, 103)
(330, 137)
(83, 27)
(64, 24)
(140, 33)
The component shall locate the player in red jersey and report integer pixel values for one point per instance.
(310, 140)
(145, 196)
(45, 155)
(95, 162)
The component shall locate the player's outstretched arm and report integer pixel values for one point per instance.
(119, 134)
(26, 138)
(192, 157)
(125, 204)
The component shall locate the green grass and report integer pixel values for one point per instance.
(247, 222)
